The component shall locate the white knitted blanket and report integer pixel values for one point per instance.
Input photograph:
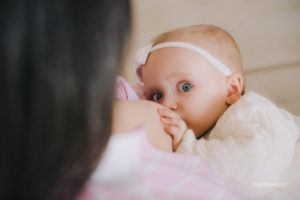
(254, 147)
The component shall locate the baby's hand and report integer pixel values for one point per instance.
(173, 125)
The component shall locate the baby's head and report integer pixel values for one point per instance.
(190, 82)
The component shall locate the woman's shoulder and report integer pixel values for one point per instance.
(131, 115)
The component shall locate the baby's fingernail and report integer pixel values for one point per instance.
(160, 110)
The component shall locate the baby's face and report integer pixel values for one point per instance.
(188, 84)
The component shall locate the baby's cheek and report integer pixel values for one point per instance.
(197, 123)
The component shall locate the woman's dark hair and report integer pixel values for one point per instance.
(58, 60)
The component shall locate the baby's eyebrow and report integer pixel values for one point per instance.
(182, 74)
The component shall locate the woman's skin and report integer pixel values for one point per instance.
(130, 115)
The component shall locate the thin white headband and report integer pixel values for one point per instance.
(144, 52)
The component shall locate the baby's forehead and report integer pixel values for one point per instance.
(175, 60)
(190, 73)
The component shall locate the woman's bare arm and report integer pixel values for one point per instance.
(129, 115)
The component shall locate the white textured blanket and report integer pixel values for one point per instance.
(254, 147)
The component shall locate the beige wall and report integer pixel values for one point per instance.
(267, 32)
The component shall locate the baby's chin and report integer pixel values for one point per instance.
(201, 131)
(198, 131)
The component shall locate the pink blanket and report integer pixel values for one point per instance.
(155, 175)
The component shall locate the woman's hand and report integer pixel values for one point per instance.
(173, 125)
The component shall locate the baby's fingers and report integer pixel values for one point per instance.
(169, 117)
(176, 135)
(170, 121)
(168, 113)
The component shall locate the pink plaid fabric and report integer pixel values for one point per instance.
(162, 175)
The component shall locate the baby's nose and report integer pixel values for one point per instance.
(170, 104)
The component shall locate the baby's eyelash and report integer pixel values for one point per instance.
(150, 94)
(183, 82)
(155, 96)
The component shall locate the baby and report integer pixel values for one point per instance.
(194, 71)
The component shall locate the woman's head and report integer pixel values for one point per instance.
(57, 71)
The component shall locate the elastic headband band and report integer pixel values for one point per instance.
(143, 53)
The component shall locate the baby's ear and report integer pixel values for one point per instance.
(234, 88)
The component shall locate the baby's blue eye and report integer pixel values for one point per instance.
(156, 96)
(185, 87)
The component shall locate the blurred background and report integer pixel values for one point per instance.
(267, 32)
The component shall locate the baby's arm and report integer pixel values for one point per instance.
(173, 125)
